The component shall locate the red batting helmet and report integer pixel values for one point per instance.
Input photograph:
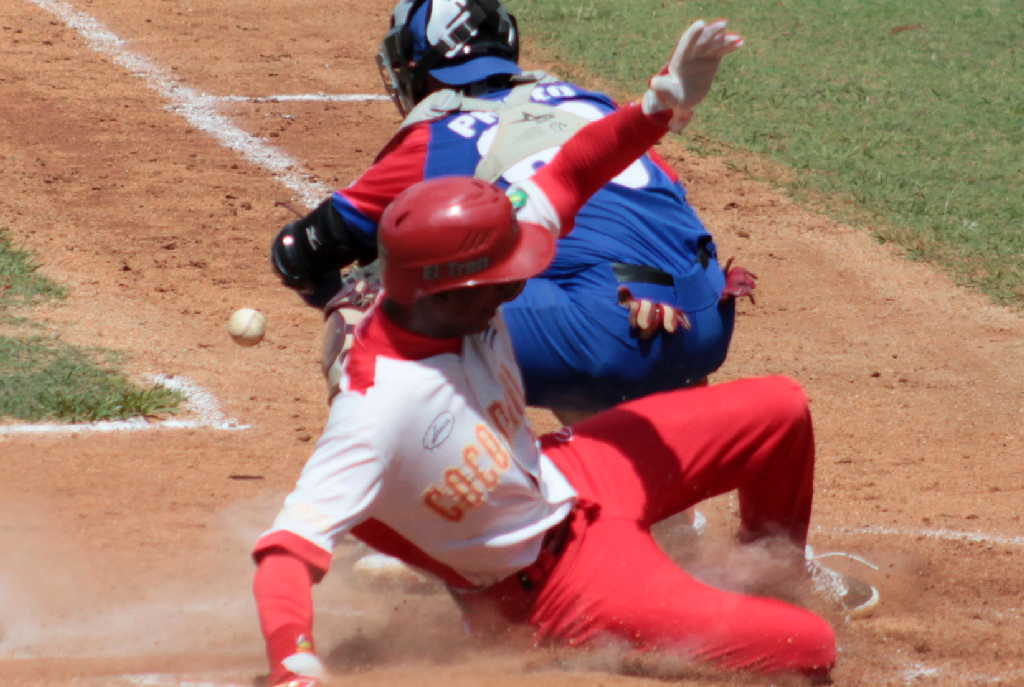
(452, 232)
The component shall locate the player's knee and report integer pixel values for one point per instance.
(785, 397)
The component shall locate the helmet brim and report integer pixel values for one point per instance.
(475, 70)
(532, 254)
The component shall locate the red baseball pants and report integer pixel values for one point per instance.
(644, 461)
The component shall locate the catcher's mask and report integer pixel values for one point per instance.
(458, 42)
(453, 232)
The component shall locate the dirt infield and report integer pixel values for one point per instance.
(125, 553)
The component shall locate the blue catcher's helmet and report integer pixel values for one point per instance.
(457, 42)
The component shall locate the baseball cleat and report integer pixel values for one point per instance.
(856, 597)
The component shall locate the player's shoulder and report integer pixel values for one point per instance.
(402, 393)
(390, 391)
(414, 378)
(393, 368)
(408, 140)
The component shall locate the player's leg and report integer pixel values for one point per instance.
(614, 583)
(651, 458)
(648, 459)
(610, 583)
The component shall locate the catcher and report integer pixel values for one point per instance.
(634, 301)
(427, 454)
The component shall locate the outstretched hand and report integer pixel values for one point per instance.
(686, 80)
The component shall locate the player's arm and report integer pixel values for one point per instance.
(282, 588)
(307, 253)
(336, 491)
(593, 157)
(602, 149)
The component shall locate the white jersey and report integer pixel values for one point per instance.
(427, 455)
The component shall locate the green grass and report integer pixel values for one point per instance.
(42, 378)
(19, 283)
(906, 118)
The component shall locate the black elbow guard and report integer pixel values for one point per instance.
(316, 245)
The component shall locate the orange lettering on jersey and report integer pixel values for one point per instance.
(467, 486)
(507, 414)
(495, 447)
(434, 497)
(489, 478)
(500, 418)
(464, 488)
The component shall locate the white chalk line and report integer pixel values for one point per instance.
(302, 97)
(198, 108)
(170, 680)
(913, 674)
(198, 402)
(918, 673)
(928, 533)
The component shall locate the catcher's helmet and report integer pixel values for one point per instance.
(452, 232)
(458, 42)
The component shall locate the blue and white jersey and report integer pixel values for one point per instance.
(573, 340)
(641, 217)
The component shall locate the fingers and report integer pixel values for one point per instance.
(649, 317)
(646, 320)
(687, 46)
(675, 319)
(716, 41)
(703, 41)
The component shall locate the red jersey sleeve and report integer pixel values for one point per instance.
(399, 166)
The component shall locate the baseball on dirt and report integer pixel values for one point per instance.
(247, 326)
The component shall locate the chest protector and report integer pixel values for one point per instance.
(524, 127)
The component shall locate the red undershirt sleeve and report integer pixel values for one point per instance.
(283, 590)
(397, 168)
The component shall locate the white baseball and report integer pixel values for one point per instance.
(247, 326)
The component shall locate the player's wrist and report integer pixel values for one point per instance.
(674, 115)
